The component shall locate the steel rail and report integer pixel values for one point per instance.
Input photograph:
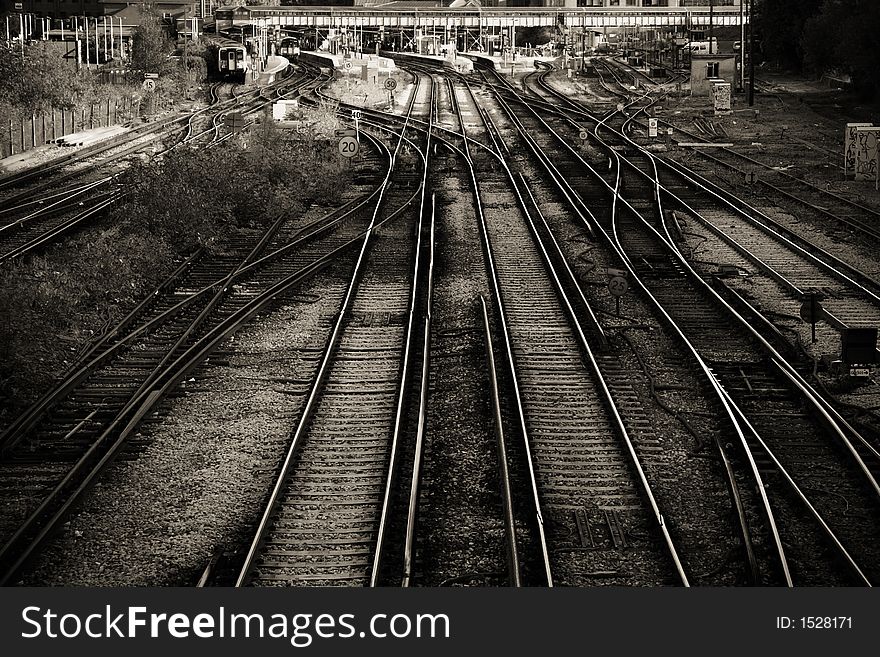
(839, 420)
(391, 477)
(513, 565)
(317, 383)
(715, 385)
(415, 483)
(188, 361)
(91, 361)
(833, 419)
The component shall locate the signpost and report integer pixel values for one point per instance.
(234, 121)
(617, 285)
(858, 349)
(356, 115)
(812, 311)
(652, 127)
(348, 146)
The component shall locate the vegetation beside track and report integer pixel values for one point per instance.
(53, 305)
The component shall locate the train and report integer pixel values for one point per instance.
(289, 47)
(233, 61)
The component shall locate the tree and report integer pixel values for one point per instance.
(841, 38)
(150, 46)
(781, 25)
(39, 79)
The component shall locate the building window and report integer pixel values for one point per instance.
(711, 69)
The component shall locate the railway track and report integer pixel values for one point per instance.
(752, 238)
(321, 517)
(69, 436)
(585, 495)
(593, 486)
(664, 276)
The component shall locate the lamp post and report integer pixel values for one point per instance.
(480, 28)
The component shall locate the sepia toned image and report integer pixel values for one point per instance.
(563, 293)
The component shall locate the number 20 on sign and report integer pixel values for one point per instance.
(348, 146)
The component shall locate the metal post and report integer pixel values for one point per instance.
(97, 44)
(86, 24)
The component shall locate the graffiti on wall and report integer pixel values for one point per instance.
(721, 94)
(866, 153)
(849, 156)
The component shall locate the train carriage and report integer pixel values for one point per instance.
(233, 62)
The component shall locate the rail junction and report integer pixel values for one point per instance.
(545, 350)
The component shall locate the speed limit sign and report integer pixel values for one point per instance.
(347, 66)
(583, 134)
(348, 146)
(391, 84)
(149, 85)
(618, 286)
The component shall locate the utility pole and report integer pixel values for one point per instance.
(742, 45)
(711, 24)
(751, 52)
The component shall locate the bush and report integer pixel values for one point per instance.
(51, 306)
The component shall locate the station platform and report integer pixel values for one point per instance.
(357, 61)
(460, 64)
(47, 152)
(274, 66)
(522, 63)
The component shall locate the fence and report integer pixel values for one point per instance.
(27, 133)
